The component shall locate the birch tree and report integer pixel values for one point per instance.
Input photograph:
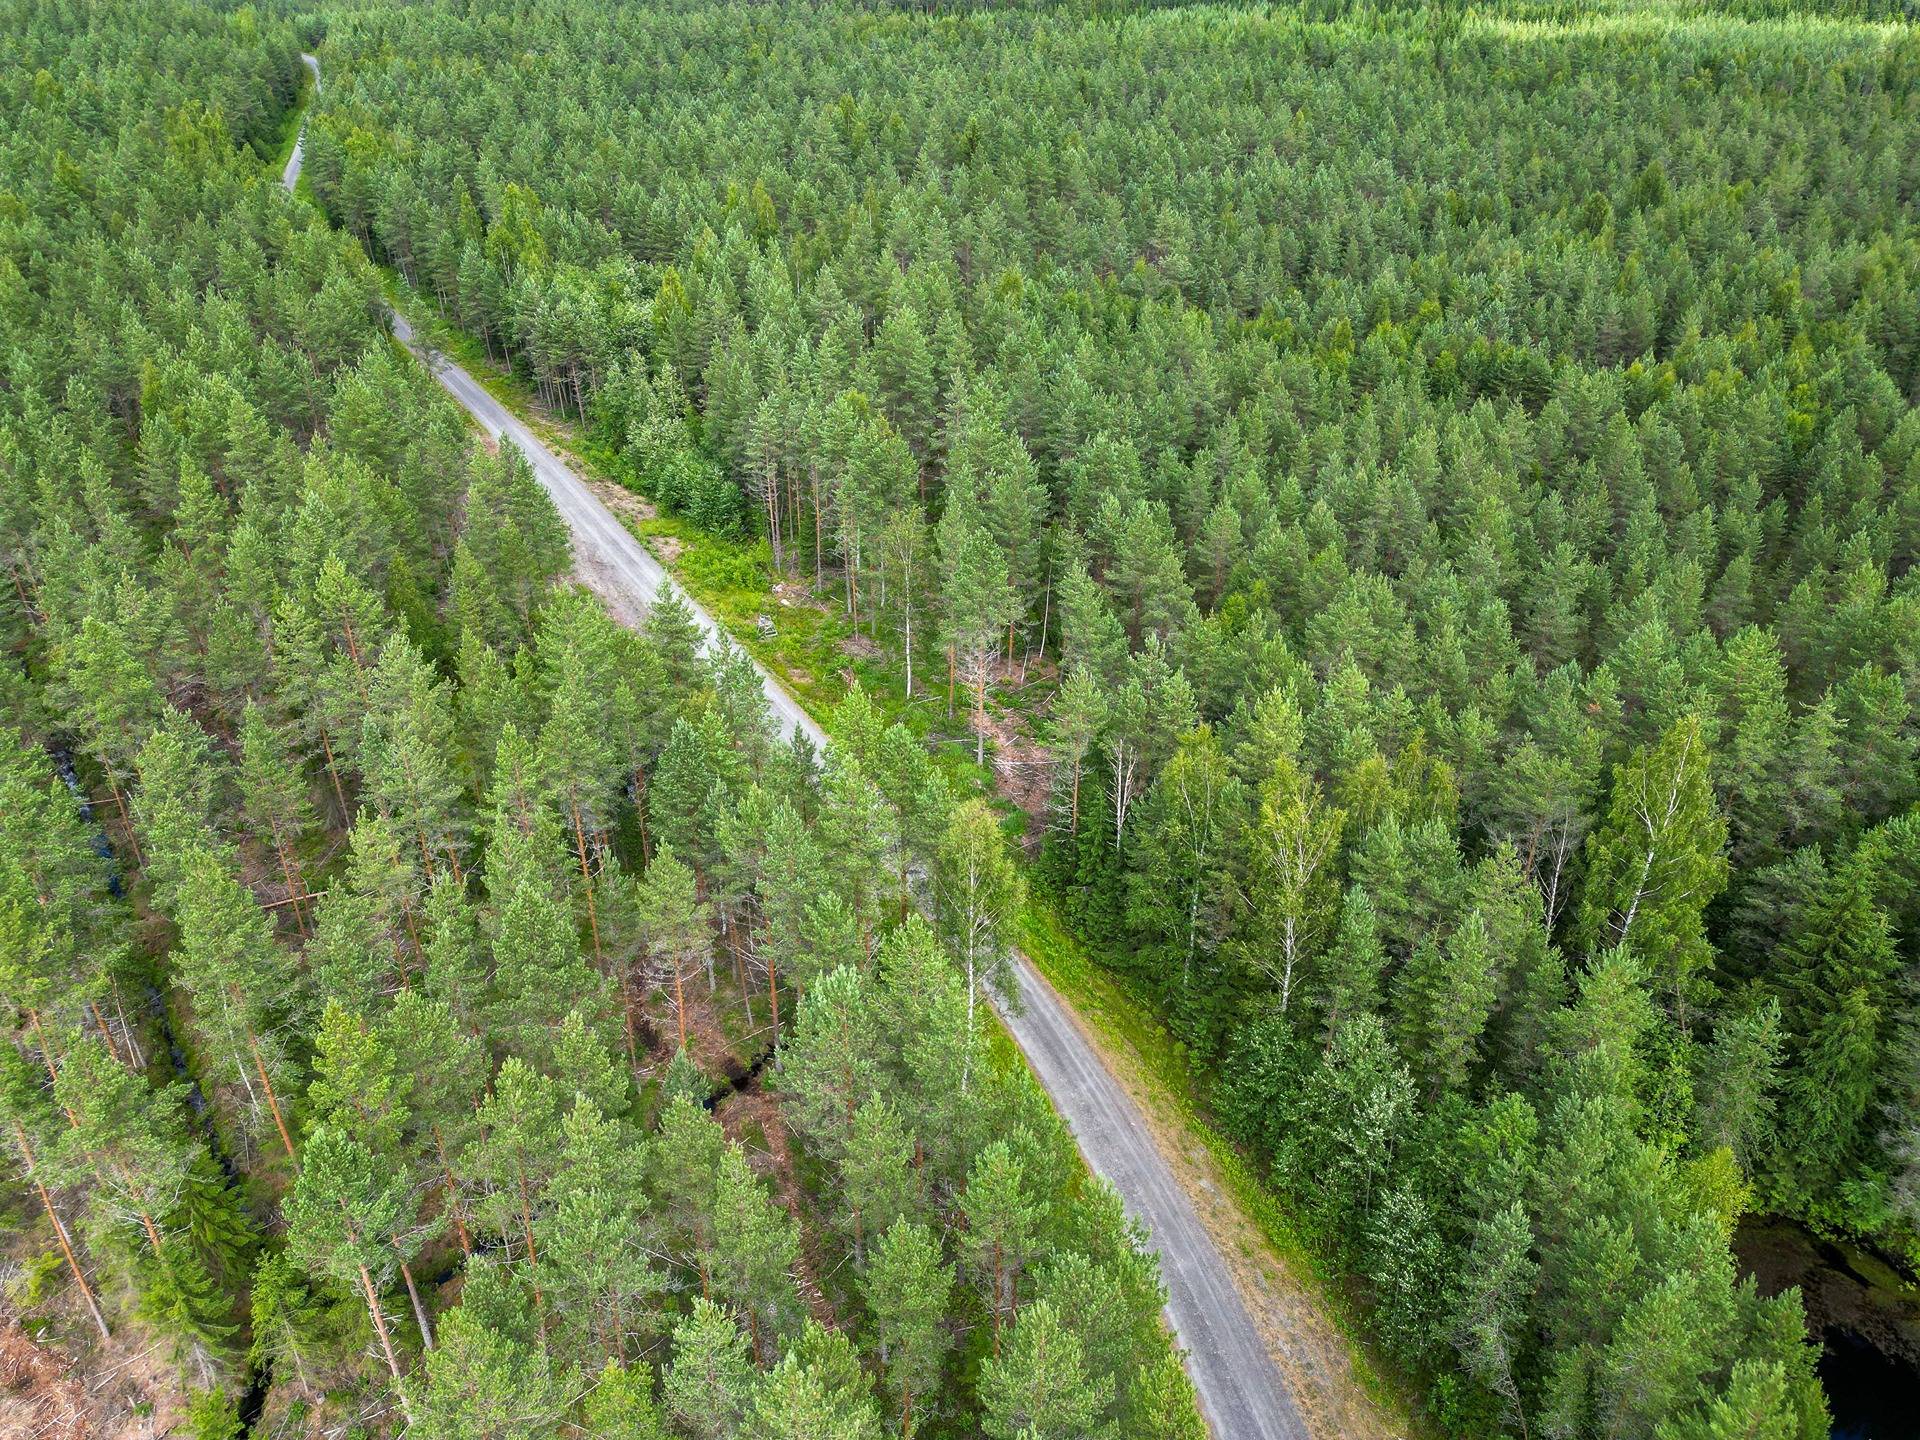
(1655, 862)
(1291, 892)
(978, 892)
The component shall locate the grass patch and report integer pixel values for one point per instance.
(290, 123)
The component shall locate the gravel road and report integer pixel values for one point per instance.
(1240, 1389)
(290, 176)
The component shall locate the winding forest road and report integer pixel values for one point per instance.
(1240, 1388)
(290, 176)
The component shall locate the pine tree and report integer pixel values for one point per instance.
(115, 702)
(25, 1123)
(340, 1215)
(854, 833)
(677, 927)
(240, 980)
(827, 1067)
(514, 1155)
(755, 1247)
(1443, 999)
(791, 876)
(817, 1391)
(682, 1179)
(620, 1405)
(445, 1068)
(706, 1386)
(1040, 1390)
(283, 1318)
(907, 1286)
(1003, 1218)
(577, 757)
(273, 794)
(597, 1273)
(406, 742)
(677, 637)
(482, 1382)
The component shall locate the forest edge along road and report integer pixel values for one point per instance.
(1240, 1389)
(612, 563)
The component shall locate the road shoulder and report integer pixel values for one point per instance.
(1333, 1383)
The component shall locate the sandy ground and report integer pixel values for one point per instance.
(46, 1394)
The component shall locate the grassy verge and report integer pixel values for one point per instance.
(815, 649)
(1122, 1024)
(290, 123)
(1155, 1069)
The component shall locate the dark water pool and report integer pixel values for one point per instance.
(1873, 1397)
(1864, 1313)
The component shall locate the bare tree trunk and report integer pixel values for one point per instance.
(126, 820)
(133, 1043)
(294, 888)
(386, 1340)
(679, 1001)
(419, 1310)
(273, 1101)
(60, 1232)
(453, 1195)
(333, 774)
(106, 1031)
(586, 879)
(813, 472)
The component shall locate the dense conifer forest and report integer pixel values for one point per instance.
(382, 927)
(1391, 527)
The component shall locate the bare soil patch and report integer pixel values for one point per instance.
(752, 1109)
(707, 1042)
(752, 1114)
(667, 548)
(123, 1390)
(1022, 771)
(858, 647)
(617, 498)
(793, 594)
